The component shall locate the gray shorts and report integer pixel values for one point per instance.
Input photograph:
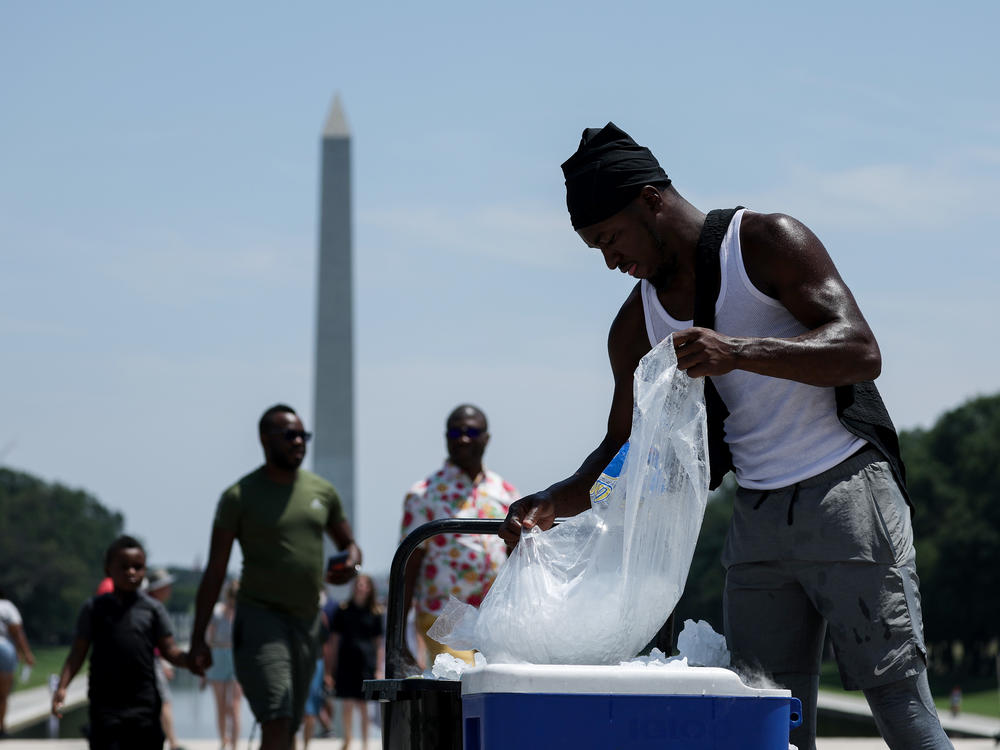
(833, 549)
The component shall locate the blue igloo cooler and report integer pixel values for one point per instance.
(636, 707)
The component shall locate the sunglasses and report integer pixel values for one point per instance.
(290, 435)
(454, 433)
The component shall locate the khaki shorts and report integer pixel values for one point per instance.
(834, 549)
(275, 656)
(424, 622)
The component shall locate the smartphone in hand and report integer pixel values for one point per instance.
(338, 570)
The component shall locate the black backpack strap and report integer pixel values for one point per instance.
(862, 412)
(707, 268)
(707, 282)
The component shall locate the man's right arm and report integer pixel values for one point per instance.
(208, 594)
(627, 344)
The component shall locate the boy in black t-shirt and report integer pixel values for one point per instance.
(124, 628)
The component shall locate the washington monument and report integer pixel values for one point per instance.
(333, 451)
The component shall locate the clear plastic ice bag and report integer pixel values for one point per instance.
(596, 588)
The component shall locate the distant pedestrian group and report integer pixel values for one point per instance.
(222, 674)
(267, 638)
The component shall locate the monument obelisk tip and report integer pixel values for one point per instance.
(333, 386)
(336, 123)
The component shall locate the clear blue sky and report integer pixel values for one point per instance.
(158, 218)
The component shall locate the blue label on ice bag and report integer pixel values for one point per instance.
(601, 490)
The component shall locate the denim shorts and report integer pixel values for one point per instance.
(316, 697)
(8, 656)
(222, 669)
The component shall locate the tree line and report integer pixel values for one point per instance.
(52, 542)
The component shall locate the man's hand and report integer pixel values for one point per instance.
(524, 514)
(341, 574)
(199, 657)
(701, 352)
(58, 698)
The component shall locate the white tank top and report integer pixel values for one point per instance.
(779, 431)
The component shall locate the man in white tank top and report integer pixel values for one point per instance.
(821, 531)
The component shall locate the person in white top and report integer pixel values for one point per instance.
(12, 642)
(821, 526)
(222, 674)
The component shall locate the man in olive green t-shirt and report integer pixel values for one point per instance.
(278, 513)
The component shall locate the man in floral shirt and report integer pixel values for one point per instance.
(459, 565)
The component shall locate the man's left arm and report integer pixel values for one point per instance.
(342, 534)
(787, 262)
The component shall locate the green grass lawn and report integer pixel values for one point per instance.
(48, 660)
(979, 695)
(985, 703)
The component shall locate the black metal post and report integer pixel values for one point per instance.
(395, 626)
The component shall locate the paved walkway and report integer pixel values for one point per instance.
(374, 743)
(26, 707)
(969, 725)
(823, 743)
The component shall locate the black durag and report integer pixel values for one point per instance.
(606, 174)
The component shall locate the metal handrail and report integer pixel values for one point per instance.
(395, 626)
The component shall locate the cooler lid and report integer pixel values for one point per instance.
(598, 679)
